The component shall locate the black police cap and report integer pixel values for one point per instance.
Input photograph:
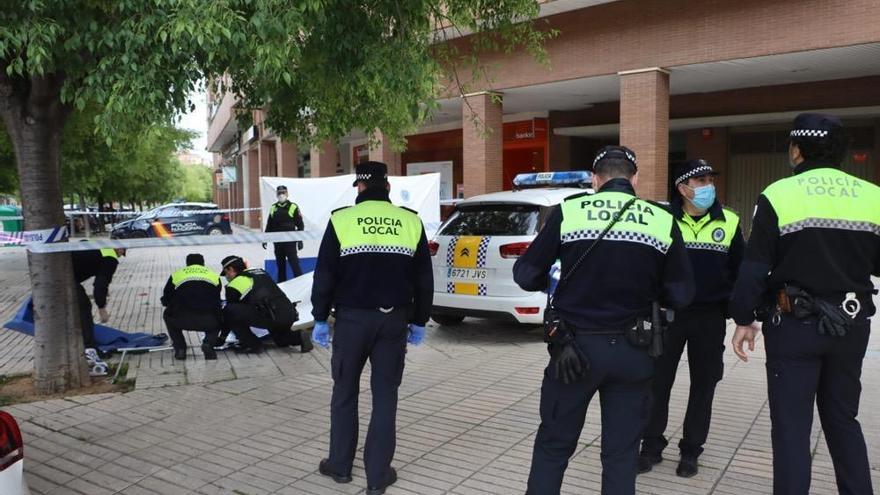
(815, 125)
(230, 260)
(691, 169)
(619, 152)
(375, 172)
(195, 259)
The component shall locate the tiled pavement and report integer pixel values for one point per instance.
(253, 425)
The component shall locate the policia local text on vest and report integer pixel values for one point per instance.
(814, 245)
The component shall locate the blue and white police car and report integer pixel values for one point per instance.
(474, 250)
(175, 219)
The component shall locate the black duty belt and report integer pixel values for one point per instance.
(594, 331)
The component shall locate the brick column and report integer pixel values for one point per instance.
(644, 126)
(324, 159)
(384, 153)
(482, 156)
(288, 158)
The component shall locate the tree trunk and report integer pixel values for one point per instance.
(34, 121)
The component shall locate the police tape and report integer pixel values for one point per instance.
(45, 236)
(134, 213)
(192, 240)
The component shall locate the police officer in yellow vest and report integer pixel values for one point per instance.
(192, 302)
(284, 216)
(814, 245)
(375, 268)
(253, 299)
(100, 264)
(599, 300)
(715, 247)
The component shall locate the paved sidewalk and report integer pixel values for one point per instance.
(467, 416)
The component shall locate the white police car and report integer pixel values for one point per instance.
(474, 250)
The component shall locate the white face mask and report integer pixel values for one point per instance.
(282, 197)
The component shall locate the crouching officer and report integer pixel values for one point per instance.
(284, 216)
(100, 264)
(192, 301)
(374, 266)
(813, 248)
(714, 245)
(253, 299)
(610, 278)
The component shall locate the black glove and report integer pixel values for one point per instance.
(299, 245)
(832, 320)
(567, 363)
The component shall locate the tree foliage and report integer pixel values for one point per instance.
(140, 165)
(196, 183)
(322, 67)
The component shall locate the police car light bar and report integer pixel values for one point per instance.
(578, 178)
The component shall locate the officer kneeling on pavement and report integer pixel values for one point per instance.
(192, 301)
(807, 273)
(253, 299)
(375, 268)
(714, 245)
(619, 256)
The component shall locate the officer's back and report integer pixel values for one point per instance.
(193, 287)
(607, 284)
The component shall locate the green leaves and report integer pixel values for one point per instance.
(323, 67)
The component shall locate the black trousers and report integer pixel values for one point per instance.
(803, 369)
(240, 317)
(362, 334)
(286, 252)
(86, 320)
(621, 374)
(703, 330)
(178, 319)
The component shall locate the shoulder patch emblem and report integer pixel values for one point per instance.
(718, 234)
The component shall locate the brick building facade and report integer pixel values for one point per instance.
(671, 79)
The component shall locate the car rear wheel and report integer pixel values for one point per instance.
(214, 231)
(447, 320)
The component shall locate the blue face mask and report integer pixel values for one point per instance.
(704, 196)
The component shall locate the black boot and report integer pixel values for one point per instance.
(305, 342)
(379, 490)
(647, 461)
(324, 468)
(208, 349)
(687, 466)
(180, 354)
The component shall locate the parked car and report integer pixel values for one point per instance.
(175, 219)
(12, 480)
(475, 248)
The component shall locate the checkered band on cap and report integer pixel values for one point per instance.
(376, 249)
(705, 169)
(629, 156)
(813, 133)
(369, 177)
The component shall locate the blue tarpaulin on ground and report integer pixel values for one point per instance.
(109, 339)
